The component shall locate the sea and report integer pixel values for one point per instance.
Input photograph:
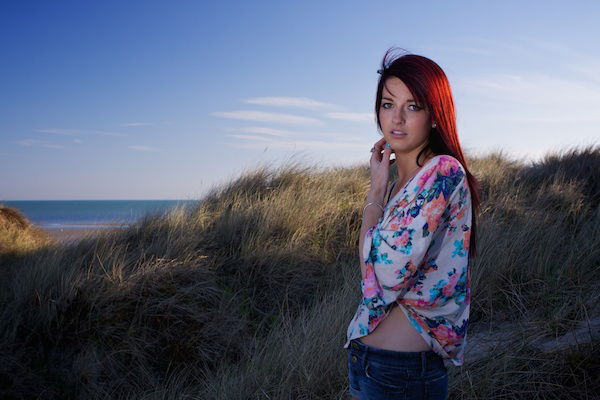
(92, 214)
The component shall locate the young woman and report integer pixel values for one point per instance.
(416, 243)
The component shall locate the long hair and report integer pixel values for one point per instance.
(429, 85)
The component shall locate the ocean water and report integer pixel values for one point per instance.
(91, 213)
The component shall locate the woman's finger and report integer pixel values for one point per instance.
(379, 145)
(385, 158)
(374, 154)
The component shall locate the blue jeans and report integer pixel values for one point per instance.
(377, 374)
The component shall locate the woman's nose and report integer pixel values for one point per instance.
(397, 117)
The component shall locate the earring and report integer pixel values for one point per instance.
(434, 125)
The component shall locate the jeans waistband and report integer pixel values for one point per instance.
(410, 359)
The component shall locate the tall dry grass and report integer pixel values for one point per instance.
(249, 295)
(17, 234)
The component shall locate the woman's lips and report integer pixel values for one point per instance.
(399, 134)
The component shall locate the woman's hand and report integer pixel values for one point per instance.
(380, 170)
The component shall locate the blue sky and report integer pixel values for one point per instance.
(164, 100)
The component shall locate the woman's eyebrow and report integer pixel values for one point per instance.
(387, 98)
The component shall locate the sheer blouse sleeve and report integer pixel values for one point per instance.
(431, 208)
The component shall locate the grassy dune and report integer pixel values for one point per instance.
(249, 295)
(17, 235)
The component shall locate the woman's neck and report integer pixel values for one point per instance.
(407, 166)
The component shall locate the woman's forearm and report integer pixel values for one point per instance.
(370, 217)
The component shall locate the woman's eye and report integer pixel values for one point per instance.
(416, 107)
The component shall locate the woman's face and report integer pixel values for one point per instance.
(400, 112)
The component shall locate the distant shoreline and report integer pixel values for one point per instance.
(88, 225)
(69, 233)
(66, 220)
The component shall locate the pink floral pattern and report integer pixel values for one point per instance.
(417, 256)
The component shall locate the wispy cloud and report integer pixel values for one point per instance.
(80, 132)
(353, 117)
(298, 102)
(589, 71)
(39, 143)
(570, 93)
(485, 46)
(138, 124)
(336, 137)
(60, 131)
(302, 140)
(268, 117)
(251, 137)
(537, 97)
(144, 148)
(261, 130)
(256, 143)
(109, 133)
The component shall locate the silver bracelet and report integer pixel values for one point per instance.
(370, 203)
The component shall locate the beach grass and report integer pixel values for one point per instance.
(17, 235)
(248, 295)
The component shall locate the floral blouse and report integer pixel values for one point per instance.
(417, 256)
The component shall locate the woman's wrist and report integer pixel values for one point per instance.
(375, 205)
(375, 196)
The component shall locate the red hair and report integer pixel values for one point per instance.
(429, 85)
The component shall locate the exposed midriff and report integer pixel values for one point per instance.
(396, 333)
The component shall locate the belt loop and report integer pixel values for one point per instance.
(423, 364)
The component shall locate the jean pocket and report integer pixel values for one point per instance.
(437, 387)
(389, 377)
(436, 373)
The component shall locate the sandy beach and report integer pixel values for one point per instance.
(70, 234)
(67, 234)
